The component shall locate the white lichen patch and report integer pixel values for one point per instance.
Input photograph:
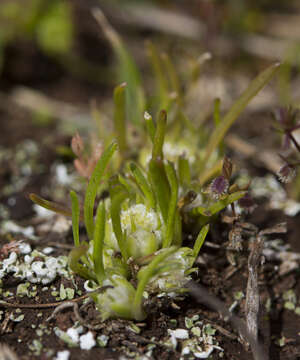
(44, 270)
(270, 187)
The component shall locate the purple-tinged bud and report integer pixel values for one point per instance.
(286, 173)
(219, 187)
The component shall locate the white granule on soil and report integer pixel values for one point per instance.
(87, 341)
(73, 333)
(181, 334)
(62, 355)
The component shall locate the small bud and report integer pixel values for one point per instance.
(219, 187)
(227, 168)
(77, 145)
(286, 173)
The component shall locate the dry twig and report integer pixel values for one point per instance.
(252, 297)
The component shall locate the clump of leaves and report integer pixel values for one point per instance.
(135, 238)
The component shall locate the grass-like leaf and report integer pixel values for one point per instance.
(160, 186)
(120, 117)
(255, 86)
(143, 184)
(99, 234)
(159, 75)
(157, 150)
(221, 204)
(50, 205)
(184, 172)
(200, 240)
(115, 211)
(148, 273)
(172, 178)
(150, 126)
(128, 71)
(75, 265)
(173, 77)
(93, 186)
(75, 217)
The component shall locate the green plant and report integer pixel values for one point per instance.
(135, 239)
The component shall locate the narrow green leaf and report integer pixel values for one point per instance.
(157, 150)
(147, 274)
(171, 175)
(160, 185)
(184, 171)
(255, 86)
(150, 125)
(93, 186)
(75, 217)
(159, 74)
(115, 212)
(99, 234)
(200, 240)
(221, 204)
(217, 116)
(126, 183)
(120, 117)
(127, 69)
(75, 265)
(143, 184)
(50, 205)
(218, 205)
(173, 76)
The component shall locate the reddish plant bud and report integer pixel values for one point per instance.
(219, 187)
(77, 145)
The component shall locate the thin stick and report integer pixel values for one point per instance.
(39, 306)
(49, 305)
(252, 297)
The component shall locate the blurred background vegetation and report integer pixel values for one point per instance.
(60, 64)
